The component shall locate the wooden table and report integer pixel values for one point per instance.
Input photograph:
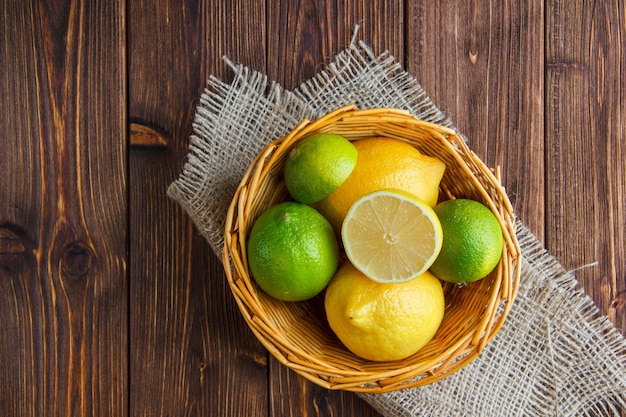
(112, 304)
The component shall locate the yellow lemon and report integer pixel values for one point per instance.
(384, 163)
(391, 236)
(383, 322)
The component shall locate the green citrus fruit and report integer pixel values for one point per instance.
(292, 252)
(383, 322)
(472, 241)
(317, 165)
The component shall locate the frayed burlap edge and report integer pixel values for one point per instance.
(554, 356)
(233, 122)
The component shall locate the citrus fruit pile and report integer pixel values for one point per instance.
(376, 201)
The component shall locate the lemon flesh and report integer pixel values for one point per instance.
(292, 252)
(383, 322)
(317, 165)
(472, 241)
(391, 236)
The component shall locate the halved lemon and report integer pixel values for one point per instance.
(391, 236)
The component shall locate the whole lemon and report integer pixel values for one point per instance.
(292, 252)
(472, 241)
(383, 322)
(317, 165)
(384, 163)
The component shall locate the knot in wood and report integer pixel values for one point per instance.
(143, 136)
(14, 246)
(77, 260)
(11, 243)
(473, 55)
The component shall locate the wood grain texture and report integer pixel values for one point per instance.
(63, 212)
(481, 63)
(191, 353)
(112, 304)
(585, 159)
(304, 35)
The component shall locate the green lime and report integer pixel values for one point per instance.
(317, 165)
(472, 241)
(292, 251)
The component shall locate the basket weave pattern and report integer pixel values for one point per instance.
(297, 334)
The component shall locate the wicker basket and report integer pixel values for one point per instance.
(297, 334)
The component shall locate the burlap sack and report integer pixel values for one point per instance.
(554, 355)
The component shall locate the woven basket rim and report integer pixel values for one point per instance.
(330, 366)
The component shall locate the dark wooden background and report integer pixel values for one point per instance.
(111, 304)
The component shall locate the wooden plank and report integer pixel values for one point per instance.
(191, 352)
(302, 37)
(585, 156)
(481, 63)
(63, 252)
